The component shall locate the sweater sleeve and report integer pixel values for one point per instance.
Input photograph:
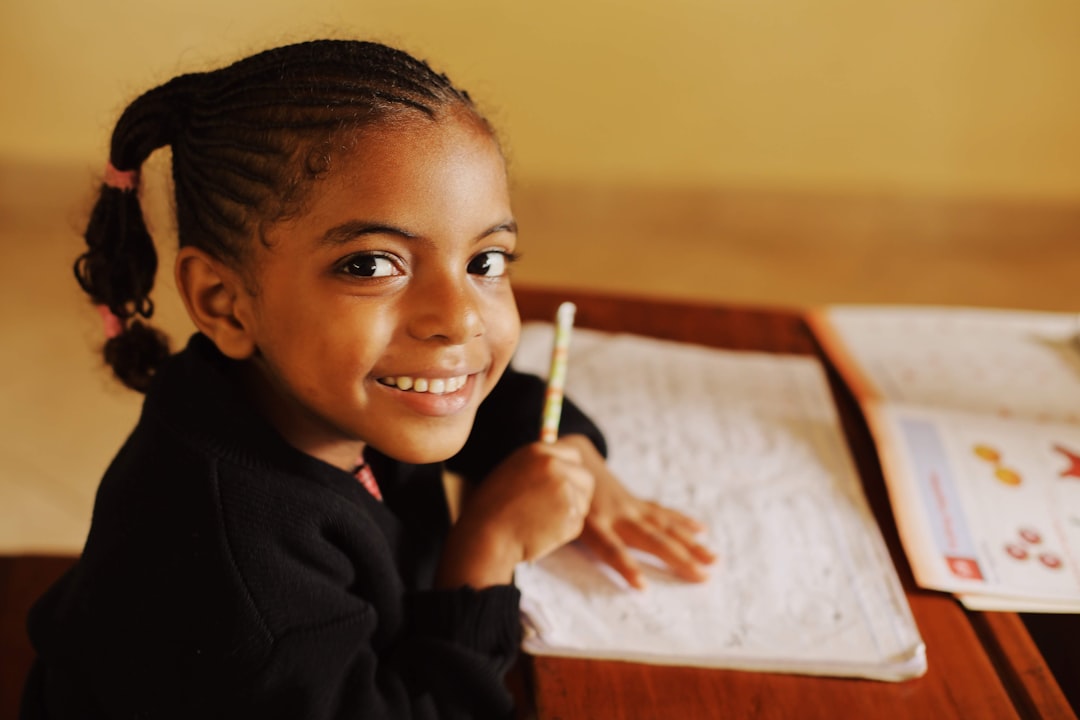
(449, 663)
(509, 418)
(350, 634)
(463, 642)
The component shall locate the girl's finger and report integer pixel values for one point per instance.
(667, 517)
(683, 528)
(562, 451)
(700, 552)
(660, 543)
(610, 548)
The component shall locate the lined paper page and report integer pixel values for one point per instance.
(750, 444)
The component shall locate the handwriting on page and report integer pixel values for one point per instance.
(1003, 363)
(749, 444)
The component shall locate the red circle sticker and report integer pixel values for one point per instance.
(1017, 551)
(1030, 536)
(1050, 560)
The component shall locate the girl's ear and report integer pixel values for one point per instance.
(217, 301)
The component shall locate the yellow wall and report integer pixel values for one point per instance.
(967, 97)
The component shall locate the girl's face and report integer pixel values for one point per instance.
(383, 314)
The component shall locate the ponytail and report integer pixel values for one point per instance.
(118, 267)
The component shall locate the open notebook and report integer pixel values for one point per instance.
(750, 444)
(976, 416)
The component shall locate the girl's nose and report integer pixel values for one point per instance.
(446, 311)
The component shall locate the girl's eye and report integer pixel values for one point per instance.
(492, 263)
(370, 266)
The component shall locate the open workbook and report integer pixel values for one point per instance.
(976, 417)
(748, 443)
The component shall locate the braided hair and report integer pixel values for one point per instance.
(247, 140)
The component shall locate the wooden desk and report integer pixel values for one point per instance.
(980, 665)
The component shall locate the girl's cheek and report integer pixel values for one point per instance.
(505, 338)
(512, 332)
(502, 316)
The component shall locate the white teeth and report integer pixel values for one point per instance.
(435, 386)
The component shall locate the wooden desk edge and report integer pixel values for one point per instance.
(1021, 666)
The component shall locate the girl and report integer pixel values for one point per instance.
(345, 233)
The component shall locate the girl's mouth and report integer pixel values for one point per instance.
(433, 386)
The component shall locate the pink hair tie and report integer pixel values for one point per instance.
(125, 180)
(113, 325)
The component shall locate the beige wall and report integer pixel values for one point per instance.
(967, 97)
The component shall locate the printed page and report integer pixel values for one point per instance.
(976, 415)
(998, 505)
(750, 444)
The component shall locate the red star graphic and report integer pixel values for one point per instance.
(1073, 470)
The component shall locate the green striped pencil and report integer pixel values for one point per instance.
(564, 322)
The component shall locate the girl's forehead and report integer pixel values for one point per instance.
(416, 133)
(421, 152)
(424, 176)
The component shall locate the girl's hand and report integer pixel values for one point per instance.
(534, 502)
(618, 521)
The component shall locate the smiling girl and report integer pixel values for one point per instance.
(273, 541)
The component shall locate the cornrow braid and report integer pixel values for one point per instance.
(247, 140)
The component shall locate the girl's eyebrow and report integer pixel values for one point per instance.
(353, 229)
(509, 226)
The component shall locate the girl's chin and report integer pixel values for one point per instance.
(428, 448)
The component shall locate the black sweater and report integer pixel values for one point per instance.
(227, 574)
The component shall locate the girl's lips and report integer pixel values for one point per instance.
(435, 386)
(435, 399)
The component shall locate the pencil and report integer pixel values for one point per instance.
(564, 321)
